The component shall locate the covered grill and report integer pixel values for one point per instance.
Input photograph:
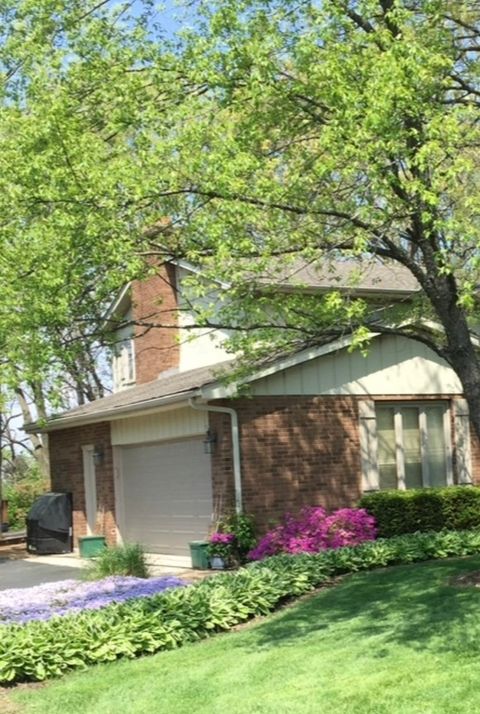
(49, 524)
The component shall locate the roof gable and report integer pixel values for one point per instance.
(393, 365)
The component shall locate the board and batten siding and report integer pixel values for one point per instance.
(159, 426)
(392, 365)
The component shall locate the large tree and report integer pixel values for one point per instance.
(58, 266)
(332, 129)
(270, 132)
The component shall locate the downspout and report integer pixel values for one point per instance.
(237, 472)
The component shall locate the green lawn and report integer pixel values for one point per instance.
(399, 640)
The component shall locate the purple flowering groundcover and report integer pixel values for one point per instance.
(69, 597)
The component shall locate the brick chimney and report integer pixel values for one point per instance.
(154, 300)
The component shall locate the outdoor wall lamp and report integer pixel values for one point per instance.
(98, 455)
(209, 442)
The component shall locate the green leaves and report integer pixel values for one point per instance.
(67, 234)
(39, 650)
(432, 509)
(271, 135)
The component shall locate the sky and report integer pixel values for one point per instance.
(173, 14)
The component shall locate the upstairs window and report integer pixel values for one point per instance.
(123, 363)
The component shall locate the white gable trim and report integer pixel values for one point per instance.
(219, 391)
(119, 303)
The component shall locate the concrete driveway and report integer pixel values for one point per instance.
(26, 572)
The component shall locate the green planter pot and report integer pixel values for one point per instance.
(90, 546)
(198, 552)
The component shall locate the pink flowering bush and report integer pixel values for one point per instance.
(313, 530)
(221, 545)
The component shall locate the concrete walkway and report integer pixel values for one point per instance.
(18, 569)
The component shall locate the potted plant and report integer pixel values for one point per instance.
(221, 547)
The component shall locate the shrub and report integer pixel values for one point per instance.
(426, 509)
(313, 530)
(233, 539)
(38, 650)
(128, 559)
(21, 495)
(242, 526)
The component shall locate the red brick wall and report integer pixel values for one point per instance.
(295, 451)
(67, 475)
(154, 300)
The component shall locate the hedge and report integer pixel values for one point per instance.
(38, 650)
(423, 509)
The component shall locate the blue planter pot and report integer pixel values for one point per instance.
(217, 563)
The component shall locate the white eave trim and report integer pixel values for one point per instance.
(171, 401)
(212, 390)
(316, 289)
(185, 265)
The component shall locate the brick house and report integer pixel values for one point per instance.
(173, 447)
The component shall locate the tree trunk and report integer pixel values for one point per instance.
(460, 350)
(40, 451)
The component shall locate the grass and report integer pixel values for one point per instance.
(124, 560)
(396, 641)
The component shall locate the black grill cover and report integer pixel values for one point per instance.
(49, 524)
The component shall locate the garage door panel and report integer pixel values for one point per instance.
(167, 494)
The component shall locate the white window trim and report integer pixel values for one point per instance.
(368, 445)
(90, 488)
(369, 441)
(399, 447)
(463, 452)
(123, 363)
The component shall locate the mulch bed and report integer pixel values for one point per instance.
(13, 552)
(468, 580)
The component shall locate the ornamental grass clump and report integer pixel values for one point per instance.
(128, 559)
(313, 530)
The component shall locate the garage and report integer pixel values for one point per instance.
(167, 495)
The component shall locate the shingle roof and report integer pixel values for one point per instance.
(355, 275)
(177, 385)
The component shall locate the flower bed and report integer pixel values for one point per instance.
(144, 625)
(314, 530)
(69, 597)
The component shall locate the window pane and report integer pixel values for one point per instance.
(130, 360)
(387, 463)
(436, 452)
(412, 448)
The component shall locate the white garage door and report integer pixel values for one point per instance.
(167, 495)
